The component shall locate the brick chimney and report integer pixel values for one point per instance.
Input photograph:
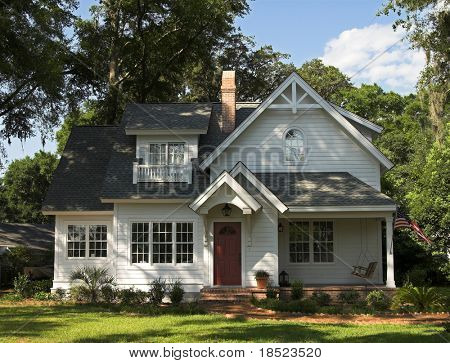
(228, 90)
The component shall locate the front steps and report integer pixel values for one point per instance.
(229, 294)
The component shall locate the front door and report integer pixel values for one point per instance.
(227, 253)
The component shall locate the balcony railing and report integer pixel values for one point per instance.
(162, 173)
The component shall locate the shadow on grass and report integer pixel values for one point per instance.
(40, 322)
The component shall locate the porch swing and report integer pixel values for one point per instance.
(360, 270)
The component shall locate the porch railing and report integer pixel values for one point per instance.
(162, 173)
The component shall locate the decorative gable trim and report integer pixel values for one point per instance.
(358, 119)
(225, 178)
(241, 168)
(291, 104)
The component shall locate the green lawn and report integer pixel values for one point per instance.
(74, 323)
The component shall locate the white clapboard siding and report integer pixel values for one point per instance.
(64, 265)
(141, 274)
(262, 254)
(351, 237)
(329, 148)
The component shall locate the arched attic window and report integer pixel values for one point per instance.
(294, 146)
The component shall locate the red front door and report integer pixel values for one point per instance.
(227, 253)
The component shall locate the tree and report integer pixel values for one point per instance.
(427, 23)
(328, 81)
(25, 185)
(86, 115)
(258, 71)
(140, 50)
(33, 73)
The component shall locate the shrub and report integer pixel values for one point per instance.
(378, 300)
(308, 306)
(41, 295)
(109, 294)
(330, 309)
(349, 297)
(417, 298)
(93, 279)
(60, 294)
(321, 298)
(22, 286)
(79, 293)
(296, 290)
(40, 286)
(271, 292)
(176, 292)
(11, 297)
(132, 296)
(261, 274)
(157, 291)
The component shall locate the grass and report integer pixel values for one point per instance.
(86, 323)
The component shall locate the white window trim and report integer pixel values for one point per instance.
(305, 149)
(167, 152)
(173, 263)
(87, 224)
(311, 243)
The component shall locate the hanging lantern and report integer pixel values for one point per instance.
(283, 279)
(280, 227)
(226, 211)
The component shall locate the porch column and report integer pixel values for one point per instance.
(390, 281)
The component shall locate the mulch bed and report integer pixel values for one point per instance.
(248, 311)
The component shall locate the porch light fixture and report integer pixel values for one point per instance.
(226, 211)
(280, 227)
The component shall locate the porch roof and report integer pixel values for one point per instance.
(329, 189)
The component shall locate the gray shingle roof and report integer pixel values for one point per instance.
(78, 179)
(322, 189)
(118, 183)
(167, 116)
(35, 236)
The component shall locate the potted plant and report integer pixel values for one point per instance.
(262, 277)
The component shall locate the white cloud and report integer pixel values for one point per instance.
(396, 67)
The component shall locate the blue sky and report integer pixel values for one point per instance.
(344, 33)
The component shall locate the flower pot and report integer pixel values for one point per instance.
(261, 282)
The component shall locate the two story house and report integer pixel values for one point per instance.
(209, 193)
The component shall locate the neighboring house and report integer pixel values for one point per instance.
(209, 193)
(37, 237)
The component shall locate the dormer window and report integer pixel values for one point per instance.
(294, 146)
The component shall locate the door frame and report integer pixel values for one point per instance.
(211, 248)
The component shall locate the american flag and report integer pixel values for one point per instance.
(402, 222)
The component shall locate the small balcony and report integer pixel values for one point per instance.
(162, 173)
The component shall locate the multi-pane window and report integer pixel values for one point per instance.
(166, 154)
(76, 241)
(162, 243)
(299, 242)
(98, 246)
(306, 238)
(158, 154)
(82, 237)
(323, 241)
(140, 243)
(184, 243)
(294, 146)
(176, 154)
